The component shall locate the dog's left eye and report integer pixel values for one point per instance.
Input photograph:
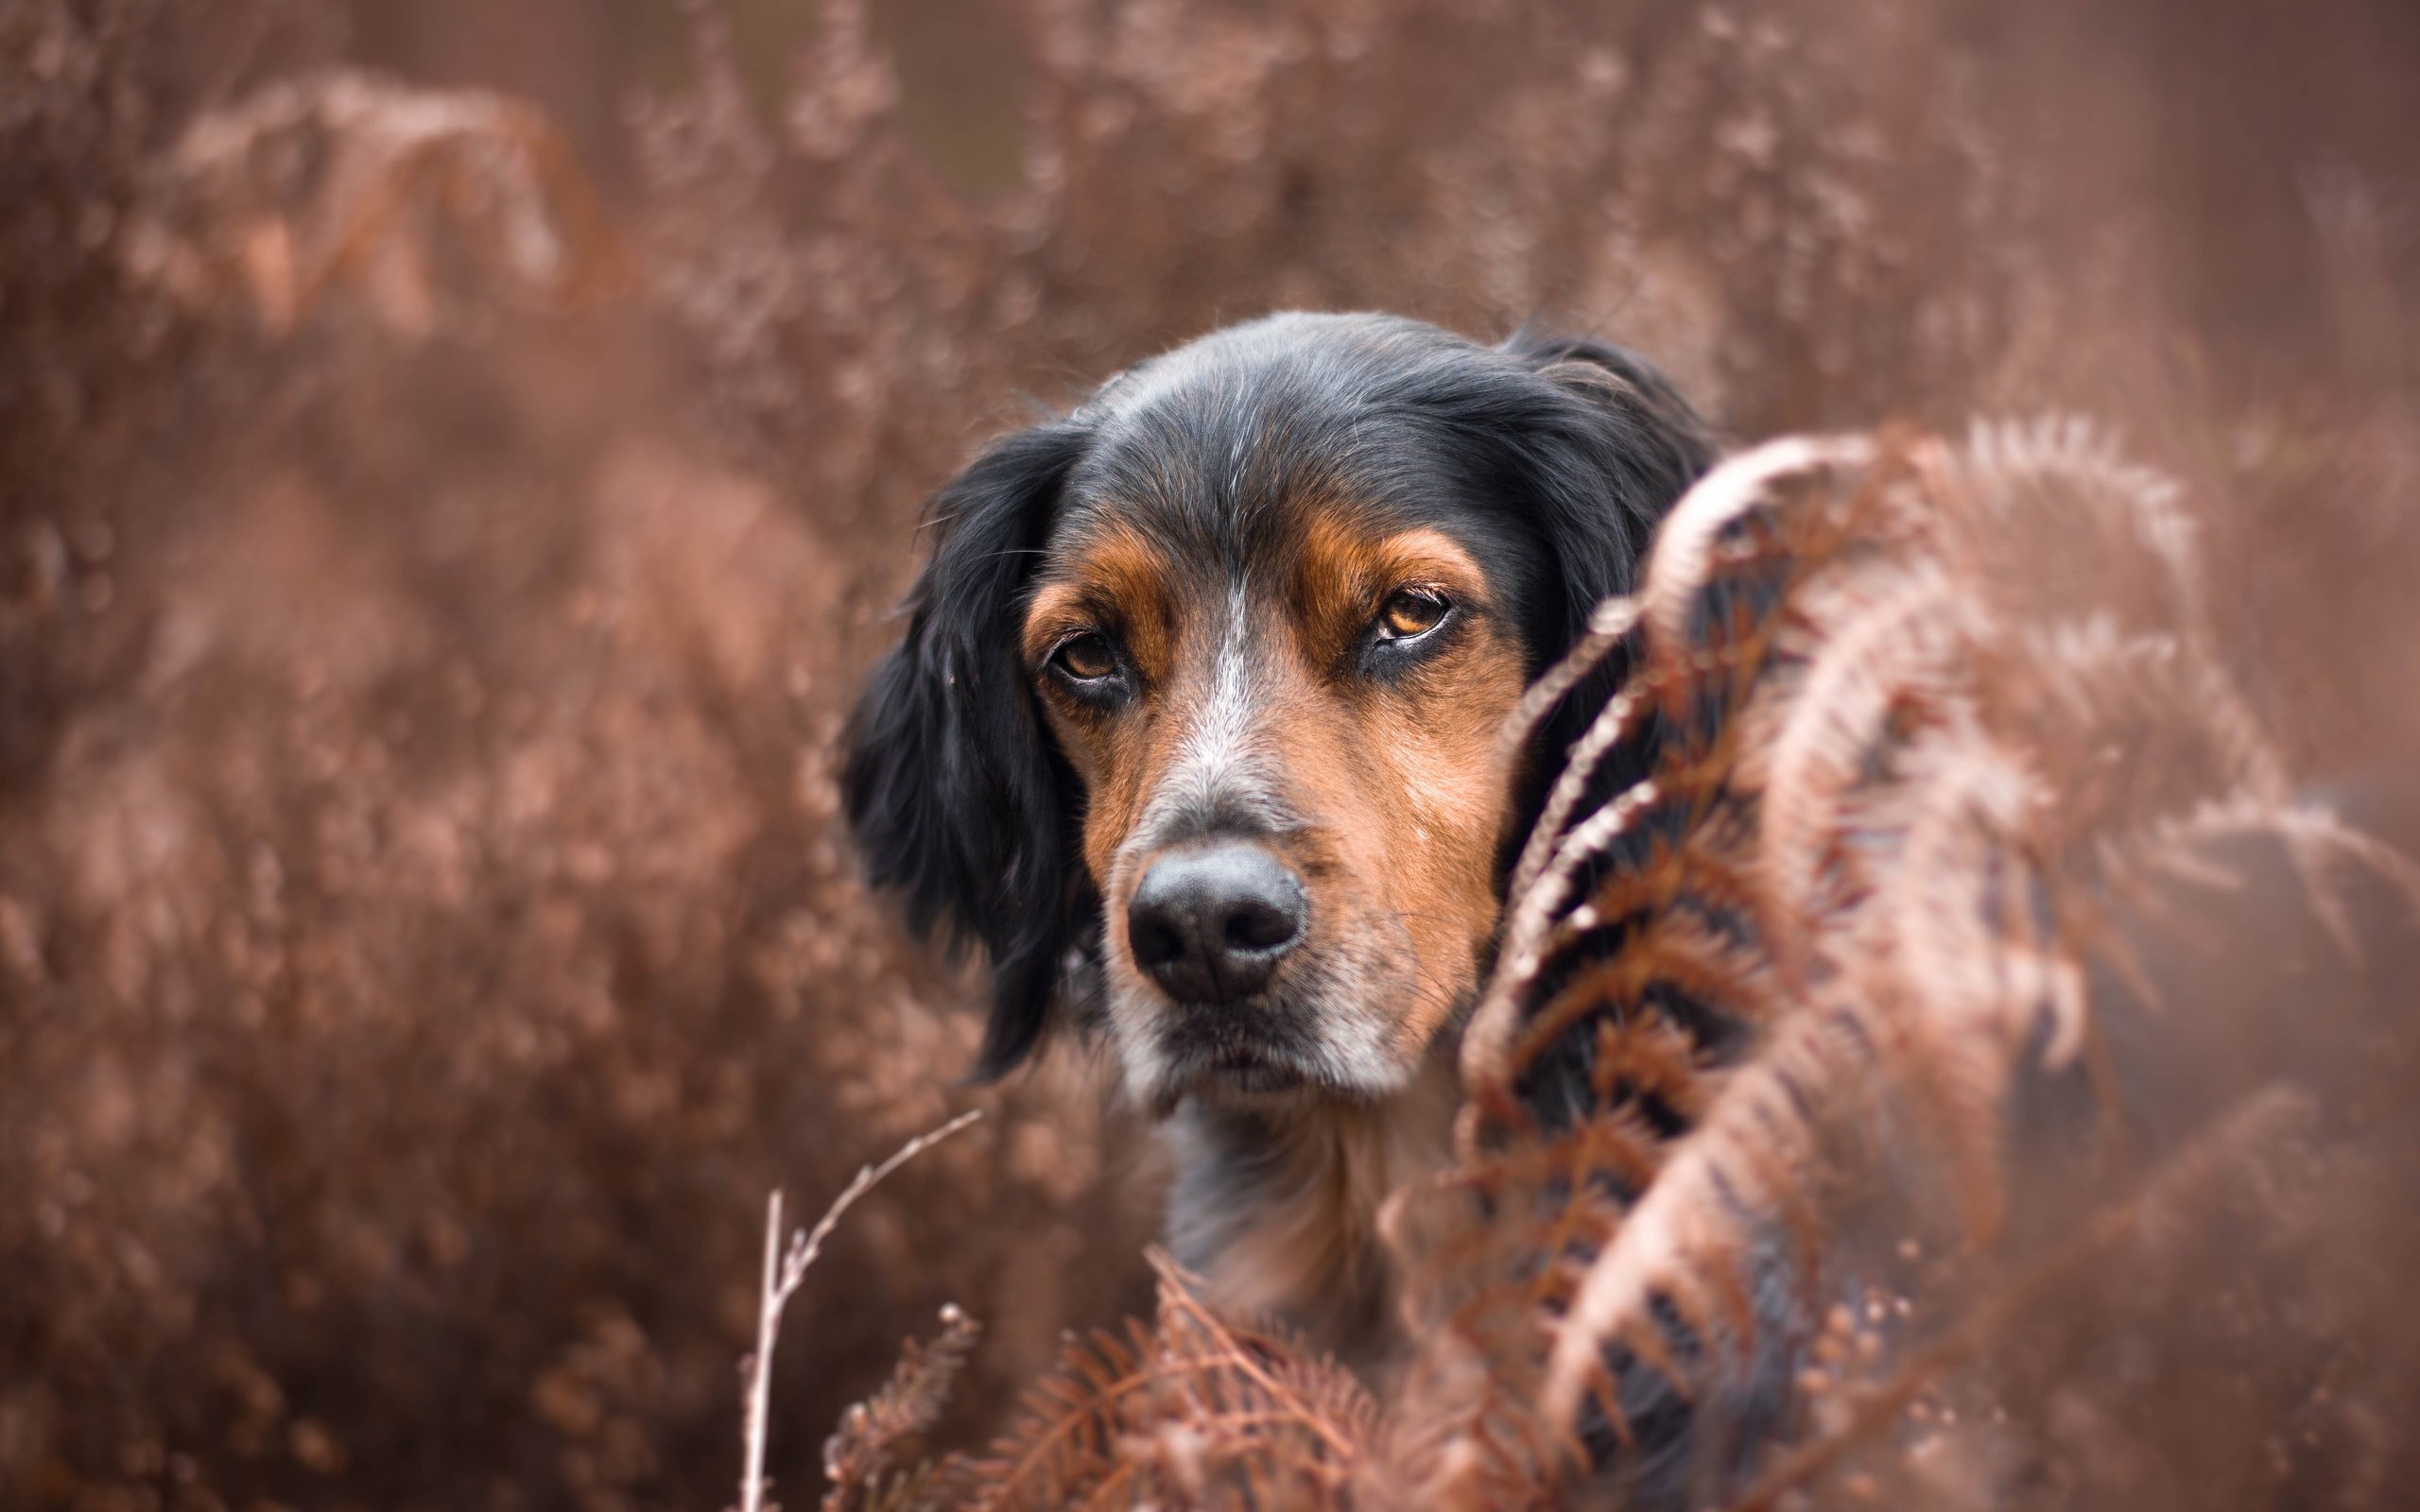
(1409, 613)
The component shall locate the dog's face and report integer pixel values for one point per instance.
(1204, 685)
(1283, 721)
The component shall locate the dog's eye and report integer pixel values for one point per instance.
(1085, 658)
(1412, 612)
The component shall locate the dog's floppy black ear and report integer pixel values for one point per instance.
(1614, 452)
(1643, 445)
(957, 796)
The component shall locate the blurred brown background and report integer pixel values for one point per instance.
(441, 533)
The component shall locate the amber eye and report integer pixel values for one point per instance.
(1412, 612)
(1086, 657)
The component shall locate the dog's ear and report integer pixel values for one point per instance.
(1640, 445)
(957, 796)
(1609, 455)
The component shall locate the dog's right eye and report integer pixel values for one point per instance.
(1086, 657)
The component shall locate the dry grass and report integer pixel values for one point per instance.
(429, 586)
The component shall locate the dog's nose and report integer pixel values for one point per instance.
(1210, 922)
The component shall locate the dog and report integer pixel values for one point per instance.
(1194, 729)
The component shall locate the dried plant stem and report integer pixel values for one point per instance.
(783, 1272)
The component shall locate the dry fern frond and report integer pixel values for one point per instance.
(1192, 1412)
(1895, 794)
(1726, 574)
(1687, 544)
(1886, 659)
(1493, 1250)
(863, 1458)
(2060, 480)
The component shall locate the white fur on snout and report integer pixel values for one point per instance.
(1222, 768)
(1135, 1008)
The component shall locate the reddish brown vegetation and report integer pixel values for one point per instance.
(430, 592)
(1833, 1069)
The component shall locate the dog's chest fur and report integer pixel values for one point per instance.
(1276, 1207)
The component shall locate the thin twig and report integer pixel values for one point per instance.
(783, 1272)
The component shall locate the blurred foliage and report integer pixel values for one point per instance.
(440, 530)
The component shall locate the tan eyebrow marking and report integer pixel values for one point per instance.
(1431, 556)
(1117, 582)
(1344, 575)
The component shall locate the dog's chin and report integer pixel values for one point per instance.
(1275, 1050)
(1247, 1076)
(1246, 1072)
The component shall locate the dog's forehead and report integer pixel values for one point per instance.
(1225, 454)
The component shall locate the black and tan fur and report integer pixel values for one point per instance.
(1276, 588)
